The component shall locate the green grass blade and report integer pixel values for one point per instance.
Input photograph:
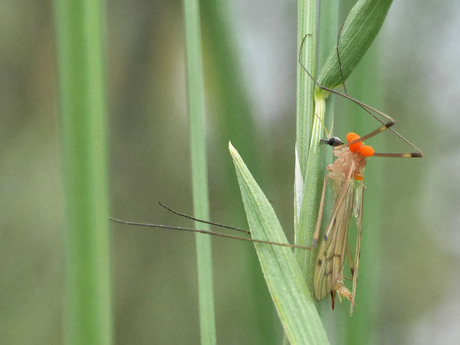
(306, 28)
(362, 25)
(199, 169)
(285, 282)
(328, 25)
(311, 192)
(309, 131)
(80, 41)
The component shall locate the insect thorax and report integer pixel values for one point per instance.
(347, 164)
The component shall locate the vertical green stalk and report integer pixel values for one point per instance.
(309, 132)
(80, 41)
(306, 28)
(199, 168)
(328, 27)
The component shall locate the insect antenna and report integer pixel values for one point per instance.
(203, 221)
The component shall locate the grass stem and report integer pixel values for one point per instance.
(199, 168)
(80, 39)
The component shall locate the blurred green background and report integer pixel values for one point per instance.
(411, 210)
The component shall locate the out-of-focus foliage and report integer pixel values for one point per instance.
(154, 274)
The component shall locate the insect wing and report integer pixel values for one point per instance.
(358, 213)
(331, 255)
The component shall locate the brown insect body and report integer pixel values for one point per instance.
(346, 162)
(345, 175)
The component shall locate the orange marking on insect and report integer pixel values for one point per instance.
(356, 146)
(366, 150)
(358, 177)
(352, 136)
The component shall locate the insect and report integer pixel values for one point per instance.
(345, 176)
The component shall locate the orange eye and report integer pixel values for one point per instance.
(352, 136)
(356, 146)
(366, 150)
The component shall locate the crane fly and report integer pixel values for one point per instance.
(345, 176)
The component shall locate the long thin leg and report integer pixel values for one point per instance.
(340, 61)
(350, 259)
(179, 228)
(358, 247)
(320, 214)
(203, 221)
(372, 111)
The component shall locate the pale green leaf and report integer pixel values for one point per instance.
(285, 282)
(362, 25)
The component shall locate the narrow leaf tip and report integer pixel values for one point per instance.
(232, 150)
